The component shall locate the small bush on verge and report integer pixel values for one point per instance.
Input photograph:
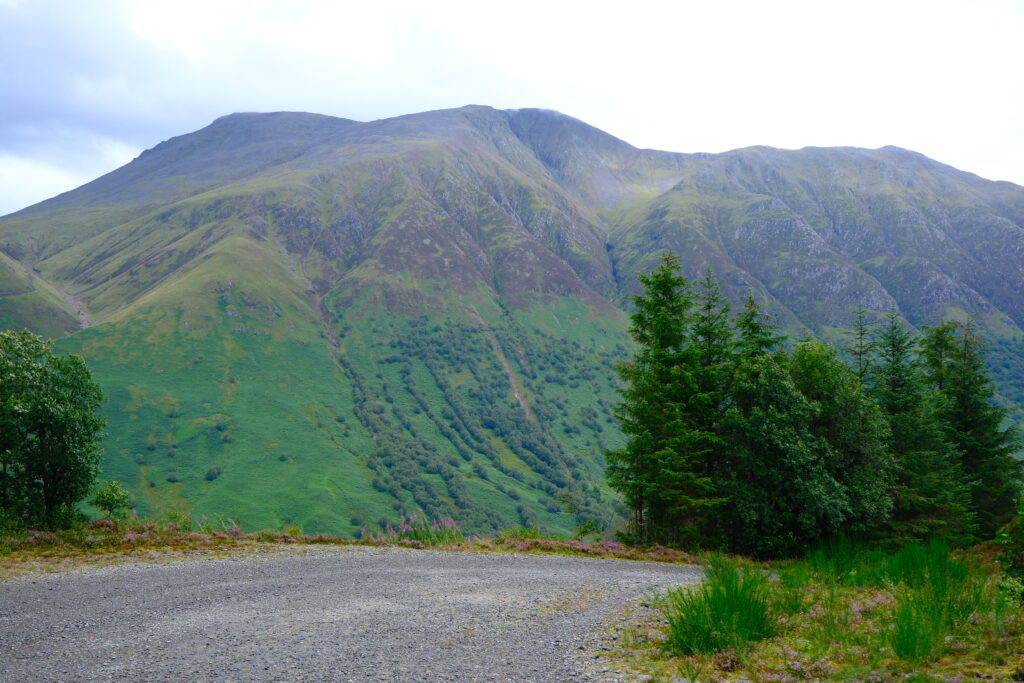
(112, 499)
(181, 521)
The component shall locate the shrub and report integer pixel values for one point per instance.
(112, 499)
(179, 521)
(587, 527)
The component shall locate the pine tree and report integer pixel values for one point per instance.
(713, 339)
(757, 333)
(937, 353)
(862, 349)
(932, 494)
(953, 355)
(661, 472)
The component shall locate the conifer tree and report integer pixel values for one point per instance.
(862, 349)
(937, 351)
(713, 337)
(661, 472)
(734, 442)
(757, 333)
(932, 492)
(953, 355)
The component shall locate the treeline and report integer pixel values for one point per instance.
(738, 443)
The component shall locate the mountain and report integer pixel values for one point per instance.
(305, 319)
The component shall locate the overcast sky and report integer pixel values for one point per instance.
(85, 85)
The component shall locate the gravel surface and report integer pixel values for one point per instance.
(334, 614)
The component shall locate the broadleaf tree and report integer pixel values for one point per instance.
(854, 427)
(783, 496)
(51, 429)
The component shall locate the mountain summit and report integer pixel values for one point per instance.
(306, 319)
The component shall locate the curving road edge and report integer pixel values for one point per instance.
(331, 614)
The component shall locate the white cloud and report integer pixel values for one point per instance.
(27, 180)
(191, 27)
(938, 76)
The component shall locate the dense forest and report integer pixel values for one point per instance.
(741, 442)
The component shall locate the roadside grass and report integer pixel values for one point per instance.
(418, 528)
(845, 612)
(173, 535)
(103, 542)
(728, 610)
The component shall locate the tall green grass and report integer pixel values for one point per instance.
(728, 610)
(918, 631)
(847, 611)
(937, 593)
(941, 595)
(793, 579)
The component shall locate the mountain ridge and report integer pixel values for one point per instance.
(300, 318)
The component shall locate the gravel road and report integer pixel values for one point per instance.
(333, 614)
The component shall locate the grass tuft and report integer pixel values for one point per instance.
(728, 610)
(917, 632)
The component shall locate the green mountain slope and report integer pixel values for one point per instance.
(27, 299)
(302, 319)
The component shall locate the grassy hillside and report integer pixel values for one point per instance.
(230, 393)
(27, 300)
